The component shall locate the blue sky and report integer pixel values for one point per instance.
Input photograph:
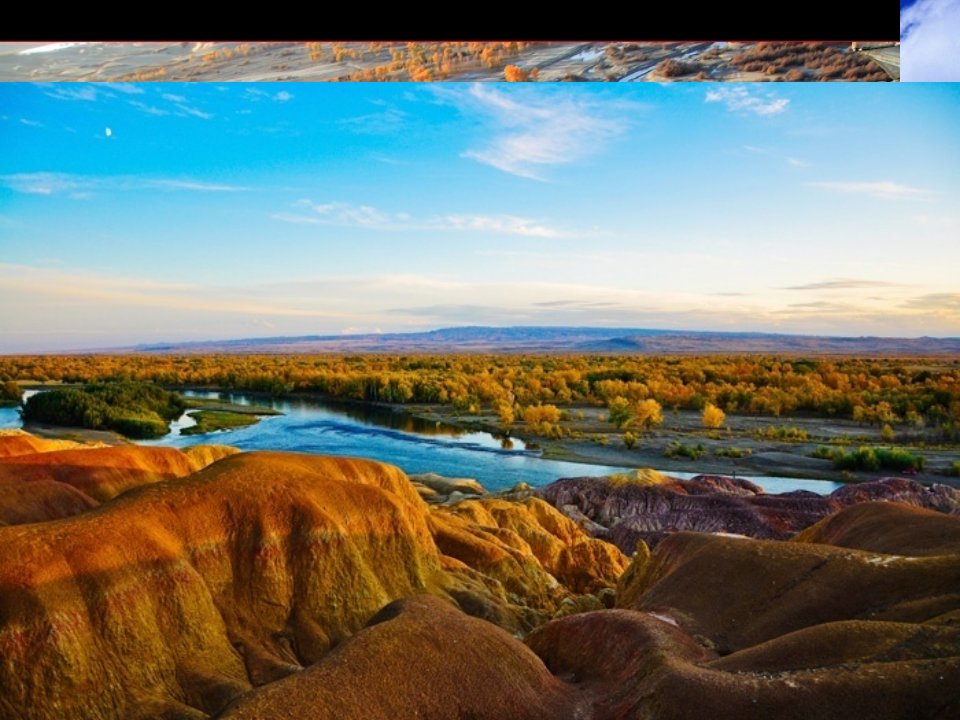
(155, 212)
(930, 40)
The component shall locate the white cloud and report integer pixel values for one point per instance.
(535, 132)
(341, 213)
(350, 215)
(386, 122)
(193, 185)
(30, 123)
(843, 284)
(82, 187)
(149, 109)
(740, 99)
(255, 94)
(176, 105)
(881, 189)
(501, 224)
(72, 91)
(39, 183)
(185, 110)
(928, 31)
(128, 88)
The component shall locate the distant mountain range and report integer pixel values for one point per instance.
(569, 339)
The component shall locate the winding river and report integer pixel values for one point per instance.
(415, 445)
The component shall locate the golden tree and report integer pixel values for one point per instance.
(648, 414)
(713, 416)
(512, 73)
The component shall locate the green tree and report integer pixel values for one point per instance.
(619, 411)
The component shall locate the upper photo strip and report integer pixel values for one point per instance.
(471, 61)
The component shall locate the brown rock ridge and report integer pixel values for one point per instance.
(649, 506)
(709, 627)
(176, 597)
(887, 527)
(418, 657)
(738, 592)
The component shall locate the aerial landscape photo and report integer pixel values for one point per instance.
(714, 61)
(480, 400)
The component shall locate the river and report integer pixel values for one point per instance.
(414, 444)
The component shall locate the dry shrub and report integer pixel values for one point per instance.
(676, 68)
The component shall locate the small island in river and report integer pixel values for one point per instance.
(134, 410)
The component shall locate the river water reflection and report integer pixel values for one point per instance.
(414, 444)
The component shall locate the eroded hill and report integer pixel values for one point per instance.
(179, 594)
(289, 586)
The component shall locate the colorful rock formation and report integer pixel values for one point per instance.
(43, 480)
(627, 509)
(181, 593)
(707, 627)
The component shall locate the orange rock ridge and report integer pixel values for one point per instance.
(175, 597)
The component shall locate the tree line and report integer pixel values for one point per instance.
(917, 393)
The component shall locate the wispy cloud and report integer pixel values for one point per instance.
(351, 215)
(255, 94)
(499, 224)
(127, 88)
(40, 183)
(342, 213)
(928, 31)
(56, 283)
(193, 185)
(31, 123)
(534, 132)
(842, 284)
(943, 302)
(791, 161)
(386, 122)
(822, 306)
(148, 109)
(169, 104)
(74, 91)
(166, 103)
(572, 304)
(740, 99)
(82, 186)
(184, 110)
(884, 189)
